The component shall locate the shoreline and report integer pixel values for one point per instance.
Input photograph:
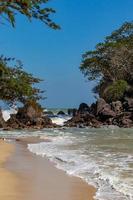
(19, 164)
(38, 177)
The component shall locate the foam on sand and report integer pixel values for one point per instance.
(105, 163)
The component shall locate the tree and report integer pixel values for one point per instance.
(32, 9)
(111, 62)
(16, 85)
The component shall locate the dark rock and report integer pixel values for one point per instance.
(14, 123)
(83, 120)
(60, 113)
(124, 120)
(72, 111)
(109, 121)
(129, 93)
(48, 113)
(83, 108)
(128, 104)
(104, 110)
(100, 105)
(127, 122)
(7, 128)
(28, 118)
(117, 107)
(17, 140)
(28, 112)
(93, 109)
(47, 123)
(38, 122)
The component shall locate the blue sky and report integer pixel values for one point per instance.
(56, 55)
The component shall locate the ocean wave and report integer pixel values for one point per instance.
(59, 119)
(97, 162)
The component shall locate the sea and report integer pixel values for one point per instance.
(103, 157)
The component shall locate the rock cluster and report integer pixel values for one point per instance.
(26, 118)
(119, 113)
(101, 113)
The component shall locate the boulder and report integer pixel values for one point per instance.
(124, 120)
(117, 107)
(48, 113)
(128, 104)
(34, 123)
(28, 112)
(42, 122)
(28, 118)
(47, 123)
(93, 109)
(83, 108)
(60, 113)
(127, 122)
(83, 120)
(72, 111)
(27, 115)
(104, 110)
(14, 123)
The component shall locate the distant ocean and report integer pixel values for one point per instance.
(58, 119)
(101, 157)
(56, 110)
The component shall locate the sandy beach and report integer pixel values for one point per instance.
(8, 180)
(25, 176)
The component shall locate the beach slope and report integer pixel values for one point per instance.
(8, 181)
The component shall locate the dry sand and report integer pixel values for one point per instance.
(30, 177)
(8, 181)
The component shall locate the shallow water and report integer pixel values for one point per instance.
(102, 157)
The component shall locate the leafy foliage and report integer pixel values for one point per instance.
(32, 9)
(111, 60)
(16, 85)
(116, 91)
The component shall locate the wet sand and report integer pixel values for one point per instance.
(40, 180)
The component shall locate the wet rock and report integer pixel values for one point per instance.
(83, 120)
(93, 109)
(124, 120)
(14, 123)
(83, 108)
(104, 110)
(117, 107)
(128, 104)
(28, 118)
(47, 123)
(28, 112)
(60, 113)
(48, 113)
(72, 111)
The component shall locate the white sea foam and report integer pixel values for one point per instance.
(60, 120)
(7, 113)
(102, 157)
(99, 162)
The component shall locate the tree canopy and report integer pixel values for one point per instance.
(112, 63)
(16, 85)
(32, 9)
